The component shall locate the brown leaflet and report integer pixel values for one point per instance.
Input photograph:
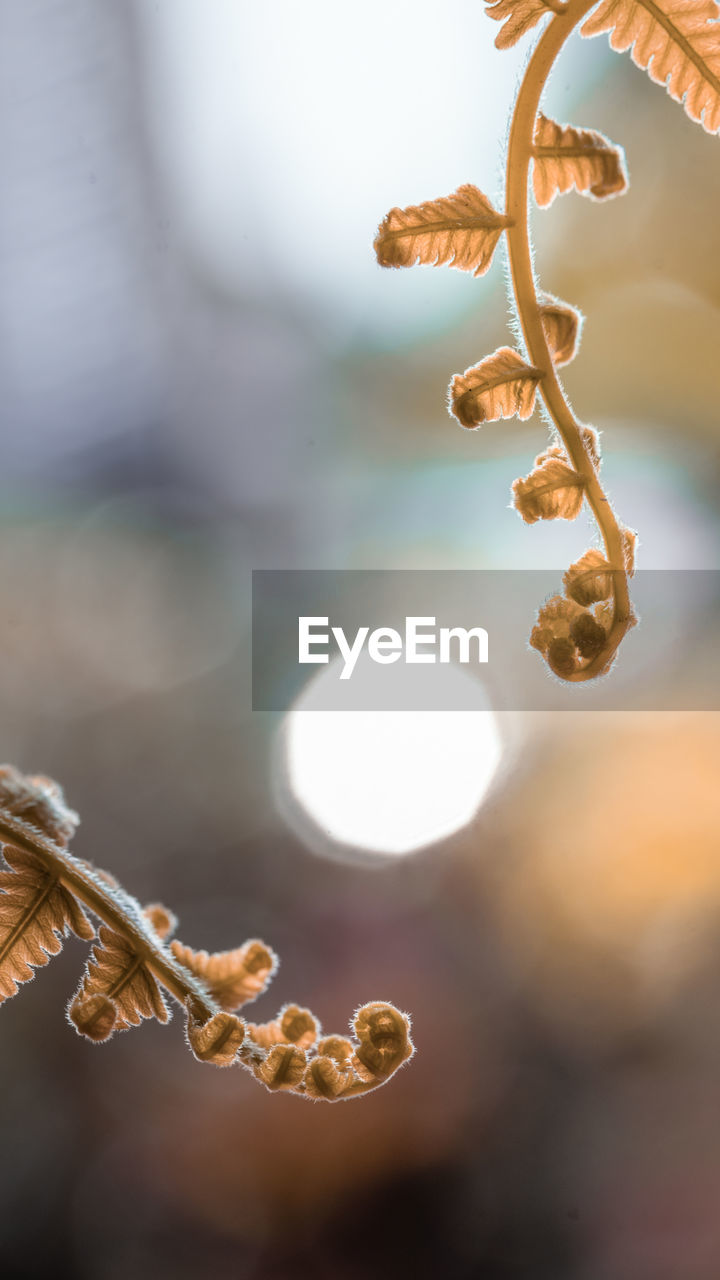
(461, 230)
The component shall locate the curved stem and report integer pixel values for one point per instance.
(520, 153)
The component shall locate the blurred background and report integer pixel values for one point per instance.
(202, 372)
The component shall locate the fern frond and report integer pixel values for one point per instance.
(342, 1068)
(553, 491)
(233, 978)
(116, 976)
(38, 801)
(566, 157)
(43, 895)
(461, 230)
(36, 913)
(162, 921)
(217, 1039)
(677, 42)
(292, 1026)
(501, 386)
(589, 579)
(562, 325)
(520, 16)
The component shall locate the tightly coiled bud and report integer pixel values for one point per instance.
(568, 635)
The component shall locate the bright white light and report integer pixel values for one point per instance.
(389, 781)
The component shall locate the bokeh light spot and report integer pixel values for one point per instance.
(389, 782)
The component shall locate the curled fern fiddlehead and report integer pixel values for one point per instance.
(46, 892)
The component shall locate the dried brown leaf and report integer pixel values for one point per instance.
(337, 1047)
(36, 912)
(341, 1068)
(520, 16)
(162, 921)
(94, 1017)
(552, 491)
(384, 1040)
(565, 633)
(499, 387)
(566, 157)
(216, 1039)
(590, 579)
(233, 978)
(283, 1068)
(461, 230)
(39, 801)
(119, 973)
(326, 1078)
(293, 1025)
(677, 42)
(119, 987)
(562, 325)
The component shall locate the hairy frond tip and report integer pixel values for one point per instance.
(552, 491)
(562, 326)
(38, 801)
(43, 892)
(461, 230)
(216, 1039)
(160, 919)
(677, 43)
(520, 16)
(233, 978)
(565, 157)
(590, 579)
(328, 1078)
(384, 1036)
(36, 913)
(283, 1068)
(333, 1068)
(569, 636)
(119, 972)
(342, 1070)
(500, 386)
(93, 1016)
(293, 1025)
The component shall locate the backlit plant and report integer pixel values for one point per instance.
(134, 965)
(678, 43)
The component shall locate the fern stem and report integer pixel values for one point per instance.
(520, 153)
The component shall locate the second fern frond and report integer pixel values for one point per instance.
(678, 43)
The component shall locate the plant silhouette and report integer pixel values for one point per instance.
(678, 43)
(47, 893)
